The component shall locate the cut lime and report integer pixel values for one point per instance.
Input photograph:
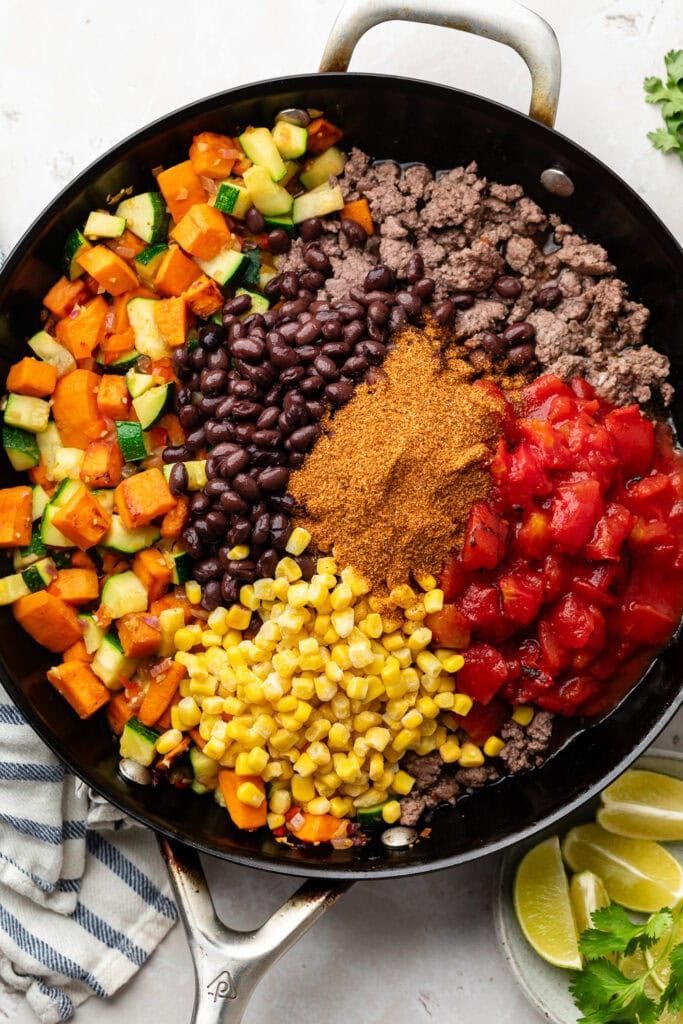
(543, 908)
(587, 893)
(643, 805)
(639, 874)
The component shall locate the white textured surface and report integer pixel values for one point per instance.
(78, 77)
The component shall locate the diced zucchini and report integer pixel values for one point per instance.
(251, 266)
(49, 442)
(75, 245)
(105, 498)
(110, 664)
(132, 441)
(123, 594)
(371, 817)
(138, 383)
(170, 621)
(21, 447)
(223, 266)
(284, 222)
(269, 198)
(138, 742)
(259, 303)
(260, 147)
(322, 200)
(92, 633)
(50, 351)
(290, 139)
(65, 492)
(67, 464)
(23, 557)
(62, 558)
(182, 567)
(151, 405)
(40, 500)
(128, 541)
(293, 169)
(233, 198)
(123, 364)
(12, 588)
(104, 225)
(27, 412)
(148, 339)
(49, 534)
(199, 789)
(147, 262)
(321, 168)
(40, 574)
(196, 474)
(204, 769)
(145, 215)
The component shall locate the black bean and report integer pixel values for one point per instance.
(242, 569)
(492, 343)
(182, 396)
(349, 311)
(508, 287)
(304, 438)
(243, 409)
(240, 304)
(192, 542)
(326, 367)
(315, 409)
(217, 432)
(284, 357)
(377, 333)
(281, 503)
(272, 288)
(355, 366)
(195, 439)
(548, 297)
(374, 375)
(374, 351)
(199, 503)
(308, 332)
(211, 336)
(176, 453)
(415, 268)
(237, 330)
(339, 393)
(292, 376)
(378, 312)
(275, 478)
(319, 306)
(336, 349)
(248, 349)
(280, 536)
(353, 332)
(289, 286)
(410, 302)
(311, 229)
(263, 376)
(268, 418)
(316, 259)
(188, 416)
(278, 240)
(254, 322)
(293, 403)
(217, 521)
(444, 312)
(355, 233)
(265, 567)
(211, 595)
(259, 458)
(181, 359)
(255, 221)
(332, 329)
(178, 480)
(213, 464)
(218, 360)
(203, 529)
(462, 300)
(231, 502)
(520, 355)
(288, 331)
(312, 385)
(208, 404)
(515, 334)
(292, 308)
(313, 280)
(239, 532)
(230, 590)
(242, 389)
(260, 531)
(245, 487)
(214, 488)
(380, 277)
(267, 438)
(398, 318)
(225, 448)
(198, 358)
(213, 381)
(296, 460)
(424, 288)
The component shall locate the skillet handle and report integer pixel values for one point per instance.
(229, 964)
(505, 21)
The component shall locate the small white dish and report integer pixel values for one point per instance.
(546, 987)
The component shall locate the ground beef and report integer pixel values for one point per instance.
(526, 748)
(469, 231)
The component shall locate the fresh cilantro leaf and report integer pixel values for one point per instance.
(672, 996)
(673, 63)
(614, 932)
(669, 95)
(663, 140)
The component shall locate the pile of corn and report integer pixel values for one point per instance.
(328, 696)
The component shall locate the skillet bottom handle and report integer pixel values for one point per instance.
(229, 964)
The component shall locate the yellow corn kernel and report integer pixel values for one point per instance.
(319, 805)
(280, 801)
(403, 596)
(282, 740)
(414, 616)
(445, 701)
(288, 569)
(242, 764)
(341, 597)
(403, 739)
(446, 684)
(338, 737)
(272, 688)
(391, 641)
(376, 769)
(272, 771)
(523, 715)
(391, 812)
(419, 639)
(232, 706)
(340, 656)
(238, 617)
(450, 751)
(274, 821)
(263, 589)
(396, 690)
(291, 622)
(365, 720)
(342, 621)
(357, 688)
(319, 753)
(317, 730)
(187, 637)
(288, 703)
(348, 770)
(360, 654)
(426, 581)
(341, 807)
(299, 539)
(199, 688)
(402, 783)
(230, 641)
(412, 719)
(168, 740)
(462, 704)
(391, 671)
(304, 765)
(303, 789)
(325, 686)
(453, 663)
(248, 793)
(303, 687)
(193, 592)
(189, 712)
(429, 663)
(371, 625)
(285, 663)
(303, 711)
(297, 595)
(340, 707)
(212, 705)
(326, 566)
(214, 749)
(378, 738)
(404, 657)
(394, 710)
(280, 591)
(470, 756)
(493, 746)
(257, 760)
(433, 601)
(309, 645)
(248, 597)
(216, 620)
(176, 720)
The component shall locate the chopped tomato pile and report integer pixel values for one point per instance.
(574, 563)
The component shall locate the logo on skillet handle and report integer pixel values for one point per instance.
(222, 987)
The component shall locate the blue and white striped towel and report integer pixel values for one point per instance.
(84, 897)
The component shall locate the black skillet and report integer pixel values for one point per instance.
(407, 120)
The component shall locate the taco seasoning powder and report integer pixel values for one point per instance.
(389, 486)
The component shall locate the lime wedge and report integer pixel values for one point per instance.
(639, 874)
(543, 908)
(587, 894)
(643, 805)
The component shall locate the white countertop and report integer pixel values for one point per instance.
(76, 79)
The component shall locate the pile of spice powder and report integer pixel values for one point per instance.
(389, 486)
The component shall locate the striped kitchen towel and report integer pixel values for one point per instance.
(84, 896)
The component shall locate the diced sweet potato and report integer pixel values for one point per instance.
(172, 320)
(174, 522)
(75, 586)
(139, 635)
(113, 346)
(102, 464)
(82, 520)
(109, 270)
(153, 571)
(359, 210)
(162, 690)
(15, 517)
(82, 333)
(78, 684)
(64, 295)
(204, 297)
(32, 377)
(174, 431)
(113, 399)
(78, 652)
(119, 712)
(127, 245)
(143, 497)
(74, 408)
(321, 135)
(181, 188)
(176, 272)
(49, 620)
(202, 232)
(213, 156)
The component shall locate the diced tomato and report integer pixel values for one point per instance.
(567, 697)
(481, 722)
(452, 578)
(480, 604)
(573, 621)
(522, 596)
(649, 496)
(449, 627)
(554, 656)
(483, 673)
(485, 537)
(646, 535)
(555, 574)
(634, 439)
(533, 535)
(609, 535)
(539, 392)
(582, 389)
(575, 510)
(526, 477)
(598, 584)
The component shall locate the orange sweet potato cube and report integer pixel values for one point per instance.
(15, 517)
(213, 156)
(204, 297)
(109, 270)
(176, 272)
(82, 333)
(32, 377)
(113, 399)
(181, 188)
(102, 464)
(172, 319)
(202, 232)
(139, 635)
(143, 497)
(83, 520)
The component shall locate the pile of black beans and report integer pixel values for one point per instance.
(252, 393)
(516, 342)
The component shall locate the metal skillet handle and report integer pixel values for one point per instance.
(229, 964)
(506, 21)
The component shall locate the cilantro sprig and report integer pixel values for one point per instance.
(603, 993)
(670, 95)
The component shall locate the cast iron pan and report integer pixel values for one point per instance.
(407, 120)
